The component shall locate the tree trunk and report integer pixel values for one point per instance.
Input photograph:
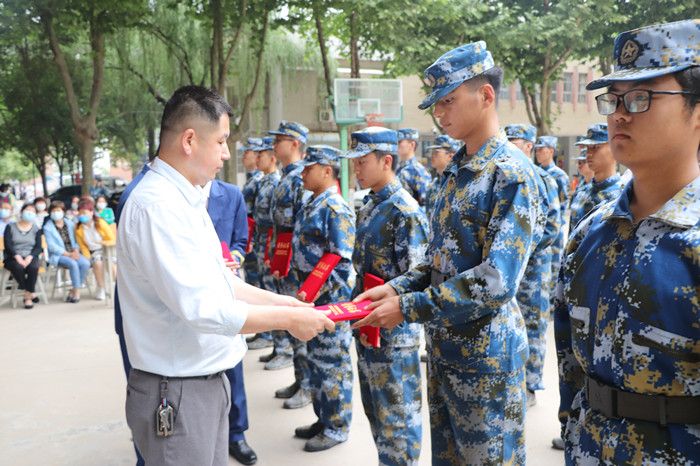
(545, 108)
(151, 135)
(324, 57)
(354, 51)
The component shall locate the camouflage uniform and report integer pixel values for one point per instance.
(562, 180)
(431, 193)
(392, 237)
(263, 222)
(481, 237)
(414, 177)
(593, 194)
(627, 316)
(250, 193)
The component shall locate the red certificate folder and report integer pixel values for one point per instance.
(266, 257)
(282, 255)
(372, 332)
(251, 228)
(319, 275)
(346, 311)
(226, 252)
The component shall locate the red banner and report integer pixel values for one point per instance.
(226, 252)
(372, 332)
(346, 311)
(282, 255)
(318, 276)
(251, 228)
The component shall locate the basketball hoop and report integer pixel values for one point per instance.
(374, 119)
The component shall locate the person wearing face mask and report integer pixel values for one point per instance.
(63, 248)
(103, 211)
(22, 249)
(72, 212)
(90, 233)
(41, 213)
(5, 215)
(6, 195)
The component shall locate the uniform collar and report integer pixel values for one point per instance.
(192, 194)
(385, 193)
(291, 167)
(606, 183)
(682, 210)
(323, 196)
(477, 161)
(547, 167)
(251, 173)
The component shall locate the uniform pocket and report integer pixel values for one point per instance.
(580, 319)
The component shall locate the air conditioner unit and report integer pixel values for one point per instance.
(326, 115)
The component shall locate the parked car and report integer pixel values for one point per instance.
(66, 193)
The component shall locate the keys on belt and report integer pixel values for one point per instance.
(614, 403)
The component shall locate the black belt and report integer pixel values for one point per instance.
(614, 403)
(261, 229)
(280, 229)
(437, 278)
(202, 377)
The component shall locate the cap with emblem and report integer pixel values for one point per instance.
(547, 141)
(407, 133)
(252, 144)
(292, 129)
(597, 134)
(370, 139)
(323, 155)
(653, 51)
(455, 67)
(521, 131)
(446, 143)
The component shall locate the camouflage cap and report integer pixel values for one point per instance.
(547, 141)
(446, 143)
(370, 139)
(597, 134)
(653, 51)
(252, 144)
(521, 131)
(323, 155)
(408, 133)
(581, 154)
(455, 67)
(292, 129)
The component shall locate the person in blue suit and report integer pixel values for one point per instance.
(226, 208)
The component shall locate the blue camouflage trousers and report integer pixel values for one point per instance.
(289, 345)
(330, 379)
(476, 418)
(390, 386)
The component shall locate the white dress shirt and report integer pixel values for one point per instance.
(181, 318)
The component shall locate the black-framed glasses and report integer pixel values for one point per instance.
(636, 100)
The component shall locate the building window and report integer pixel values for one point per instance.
(582, 81)
(567, 87)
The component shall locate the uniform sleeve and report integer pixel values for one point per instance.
(485, 288)
(341, 239)
(411, 243)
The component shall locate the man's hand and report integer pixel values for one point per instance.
(305, 324)
(250, 248)
(365, 342)
(302, 296)
(233, 265)
(376, 294)
(267, 263)
(385, 312)
(292, 301)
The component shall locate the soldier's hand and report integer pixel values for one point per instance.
(292, 301)
(365, 342)
(249, 249)
(376, 294)
(276, 274)
(307, 323)
(385, 313)
(267, 263)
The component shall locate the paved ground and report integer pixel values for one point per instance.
(62, 398)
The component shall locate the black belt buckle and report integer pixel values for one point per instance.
(602, 399)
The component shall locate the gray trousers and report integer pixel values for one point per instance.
(201, 407)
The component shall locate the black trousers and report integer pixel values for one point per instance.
(26, 277)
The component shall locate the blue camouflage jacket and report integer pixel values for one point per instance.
(392, 237)
(592, 194)
(414, 177)
(481, 237)
(250, 189)
(562, 180)
(325, 224)
(628, 315)
(263, 200)
(431, 194)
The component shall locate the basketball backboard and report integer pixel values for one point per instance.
(355, 98)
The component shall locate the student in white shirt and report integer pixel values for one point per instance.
(183, 308)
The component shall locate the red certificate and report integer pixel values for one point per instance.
(226, 252)
(266, 257)
(319, 275)
(372, 332)
(346, 311)
(282, 255)
(251, 228)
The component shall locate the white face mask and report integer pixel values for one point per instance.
(74, 206)
(101, 205)
(40, 207)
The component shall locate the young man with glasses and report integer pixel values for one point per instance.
(626, 321)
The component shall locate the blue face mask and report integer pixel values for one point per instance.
(28, 216)
(4, 213)
(57, 215)
(74, 206)
(84, 218)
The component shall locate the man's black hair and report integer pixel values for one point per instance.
(394, 157)
(193, 101)
(689, 79)
(492, 76)
(335, 171)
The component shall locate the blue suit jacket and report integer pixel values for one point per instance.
(229, 216)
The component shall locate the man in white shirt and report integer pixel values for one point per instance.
(183, 308)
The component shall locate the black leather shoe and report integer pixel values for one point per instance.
(287, 392)
(309, 432)
(267, 357)
(242, 452)
(558, 443)
(35, 299)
